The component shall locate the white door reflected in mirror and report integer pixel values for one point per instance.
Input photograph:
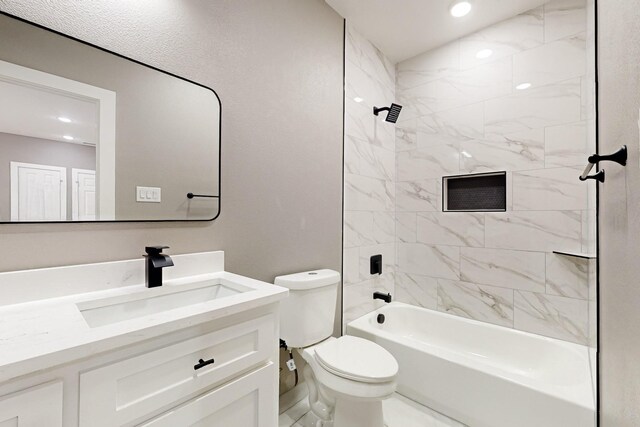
(83, 196)
(38, 192)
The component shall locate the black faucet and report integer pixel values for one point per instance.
(156, 261)
(384, 297)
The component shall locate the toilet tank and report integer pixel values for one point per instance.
(307, 315)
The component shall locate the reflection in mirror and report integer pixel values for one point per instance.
(87, 135)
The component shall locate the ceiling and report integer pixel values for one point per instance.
(34, 111)
(402, 29)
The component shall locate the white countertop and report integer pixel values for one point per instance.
(46, 333)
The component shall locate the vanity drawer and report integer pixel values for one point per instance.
(123, 392)
(249, 401)
(35, 407)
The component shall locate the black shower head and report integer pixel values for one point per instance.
(393, 112)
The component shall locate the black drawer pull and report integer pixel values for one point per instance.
(202, 363)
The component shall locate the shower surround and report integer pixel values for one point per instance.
(369, 176)
(464, 115)
(524, 110)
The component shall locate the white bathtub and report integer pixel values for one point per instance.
(484, 375)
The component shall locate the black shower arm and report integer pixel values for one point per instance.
(376, 110)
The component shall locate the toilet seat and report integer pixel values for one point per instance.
(357, 359)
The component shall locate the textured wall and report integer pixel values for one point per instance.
(464, 115)
(277, 67)
(369, 174)
(619, 213)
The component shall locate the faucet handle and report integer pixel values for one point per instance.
(154, 250)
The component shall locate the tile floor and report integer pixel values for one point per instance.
(398, 412)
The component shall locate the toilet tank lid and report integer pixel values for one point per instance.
(309, 279)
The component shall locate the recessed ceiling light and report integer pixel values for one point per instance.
(64, 119)
(68, 137)
(484, 53)
(358, 99)
(460, 9)
(523, 86)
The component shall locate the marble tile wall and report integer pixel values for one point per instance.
(465, 115)
(369, 176)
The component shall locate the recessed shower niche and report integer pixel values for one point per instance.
(485, 192)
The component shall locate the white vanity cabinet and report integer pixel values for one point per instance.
(201, 350)
(34, 407)
(129, 391)
(244, 402)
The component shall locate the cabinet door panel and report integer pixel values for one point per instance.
(249, 401)
(124, 392)
(35, 407)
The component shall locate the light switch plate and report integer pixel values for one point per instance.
(148, 194)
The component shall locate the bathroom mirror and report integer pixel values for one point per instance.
(90, 135)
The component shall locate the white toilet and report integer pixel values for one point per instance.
(347, 377)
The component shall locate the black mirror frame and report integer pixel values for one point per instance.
(219, 196)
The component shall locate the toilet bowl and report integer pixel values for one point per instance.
(347, 377)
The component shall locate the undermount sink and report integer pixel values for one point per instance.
(110, 310)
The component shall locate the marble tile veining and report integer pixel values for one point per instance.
(361, 124)
(367, 87)
(388, 252)
(479, 302)
(450, 228)
(365, 159)
(431, 65)
(406, 136)
(552, 62)
(434, 261)
(519, 151)
(567, 276)
(406, 227)
(416, 196)
(460, 88)
(506, 268)
(368, 58)
(553, 316)
(554, 189)
(534, 231)
(451, 126)
(566, 145)
(428, 162)
(358, 228)
(357, 298)
(533, 108)
(564, 18)
(351, 265)
(417, 290)
(368, 194)
(505, 38)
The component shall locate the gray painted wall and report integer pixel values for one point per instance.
(277, 66)
(619, 290)
(16, 148)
